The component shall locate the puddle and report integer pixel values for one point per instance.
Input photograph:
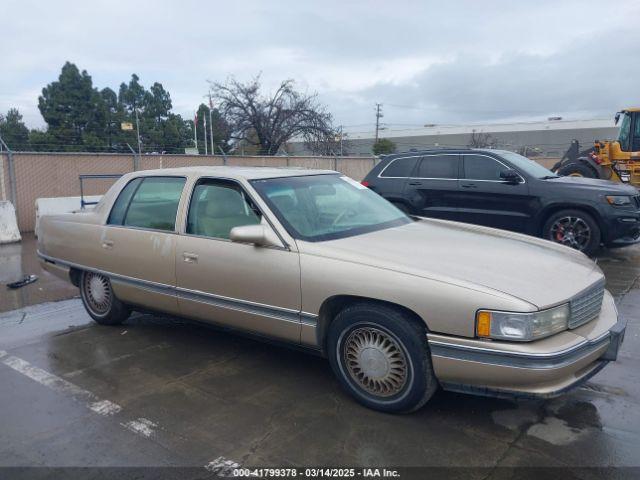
(560, 421)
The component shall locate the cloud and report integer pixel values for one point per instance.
(428, 62)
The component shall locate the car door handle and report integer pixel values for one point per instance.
(469, 185)
(190, 257)
(415, 183)
(108, 244)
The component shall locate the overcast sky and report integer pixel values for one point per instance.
(426, 62)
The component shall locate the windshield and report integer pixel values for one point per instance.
(625, 130)
(326, 207)
(526, 165)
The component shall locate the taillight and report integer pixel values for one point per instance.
(365, 183)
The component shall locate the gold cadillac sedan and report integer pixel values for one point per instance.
(400, 305)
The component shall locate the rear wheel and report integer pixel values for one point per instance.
(573, 228)
(577, 169)
(100, 301)
(380, 356)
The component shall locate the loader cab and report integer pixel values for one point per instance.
(629, 135)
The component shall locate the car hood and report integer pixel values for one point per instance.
(534, 270)
(605, 186)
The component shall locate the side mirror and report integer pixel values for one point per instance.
(510, 176)
(260, 235)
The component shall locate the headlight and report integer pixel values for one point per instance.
(618, 200)
(522, 327)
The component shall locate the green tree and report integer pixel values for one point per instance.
(79, 117)
(72, 108)
(384, 146)
(13, 130)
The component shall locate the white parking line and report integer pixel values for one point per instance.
(60, 385)
(222, 467)
(105, 407)
(140, 426)
(47, 379)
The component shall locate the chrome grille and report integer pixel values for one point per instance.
(586, 306)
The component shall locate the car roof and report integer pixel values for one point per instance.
(436, 150)
(235, 172)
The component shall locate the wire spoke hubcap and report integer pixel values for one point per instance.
(571, 231)
(97, 293)
(375, 361)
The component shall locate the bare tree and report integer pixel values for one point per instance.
(269, 122)
(482, 140)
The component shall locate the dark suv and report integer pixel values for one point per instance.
(502, 189)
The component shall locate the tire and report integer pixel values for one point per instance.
(576, 223)
(577, 169)
(404, 385)
(99, 300)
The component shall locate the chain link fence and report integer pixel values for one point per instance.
(25, 177)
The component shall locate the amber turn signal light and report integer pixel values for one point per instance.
(483, 324)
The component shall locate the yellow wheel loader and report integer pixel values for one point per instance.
(616, 160)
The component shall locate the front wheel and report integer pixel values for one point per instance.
(380, 356)
(575, 229)
(99, 300)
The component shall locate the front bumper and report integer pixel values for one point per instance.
(543, 368)
(623, 229)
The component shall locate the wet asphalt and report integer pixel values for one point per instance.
(161, 391)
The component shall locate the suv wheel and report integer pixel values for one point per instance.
(573, 228)
(381, 357)
(99, 300)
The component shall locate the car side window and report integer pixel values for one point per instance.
(116, 217)
(151, 203)
(400, 167)
(439, 166)
(217, 207)
(481, 167)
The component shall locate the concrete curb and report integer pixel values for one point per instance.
(9, 232)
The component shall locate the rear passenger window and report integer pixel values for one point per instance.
(116, 217)
(217, 207)
(479, 167)
(151, 203)
(438, 166)
(400, 167)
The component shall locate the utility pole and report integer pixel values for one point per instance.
(204, 134)
(379, 115)
(195, 130)
(138, 132)
(341, 135)
(213, 150)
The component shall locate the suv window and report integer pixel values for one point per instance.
(150, 202)
(400, 167)
(480, 167)
(216, 207)
(439, 166)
